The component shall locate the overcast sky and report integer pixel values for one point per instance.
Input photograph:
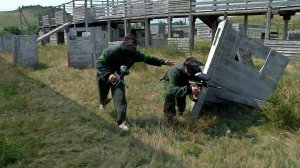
(8, 5)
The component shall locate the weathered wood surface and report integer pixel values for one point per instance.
(53, 31)
(291, 49)
(121, 9)
(59, 17)
(240, 83)
(24, 50)
(158, 42)
(7, 41)
(181, 43)
(85, 45)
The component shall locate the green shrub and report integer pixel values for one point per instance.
(10, 151)
(283, 110)
(189, 148)
(9, 88)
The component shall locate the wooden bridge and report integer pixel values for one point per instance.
(88, 13)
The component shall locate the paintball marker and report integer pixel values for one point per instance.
(201, 81)
(120, 74)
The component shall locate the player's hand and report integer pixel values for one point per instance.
(169, 63)
(112, 78)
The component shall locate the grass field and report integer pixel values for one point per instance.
(49, 117)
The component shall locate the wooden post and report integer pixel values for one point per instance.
(286, 19)
(49, 18)
(86, 13)
(225, 15)
(147, 32)
(73, 9)
(127, 27)
(20, 18)
(268, 21)
(245, 24)
(170, 27)
(64, 13)
(192, 31)
(214, 28)
(109, 30)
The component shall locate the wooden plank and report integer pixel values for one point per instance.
(235, 97)
(240, 79)
(255, 47)
(274, 66)
(53, 31)
(198, 105)
(211, 65)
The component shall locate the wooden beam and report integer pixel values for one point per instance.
(147, 32)
(170, 27)
(286, 19)
(127, 26)
(64, 13)
(109, 30)
(86, 13)
(268, 23)
(245, 24)
(214, 29)
(192, 31)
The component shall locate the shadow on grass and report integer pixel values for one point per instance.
(40, 66)
(231, 119)
(56, 131)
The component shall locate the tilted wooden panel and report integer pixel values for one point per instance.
(239, 83)
(274, 67)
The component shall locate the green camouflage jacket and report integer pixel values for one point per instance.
(112, 58)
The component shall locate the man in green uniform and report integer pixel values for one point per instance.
(110, 62)
(178, 87)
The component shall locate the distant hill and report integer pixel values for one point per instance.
(12, 18)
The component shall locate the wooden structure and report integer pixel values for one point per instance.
(6, 43)
(84, 45)
(289, 49)
(239, 83)
(90, 13)
(24, 50)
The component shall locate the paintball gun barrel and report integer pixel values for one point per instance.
(120, 74)
(201, 80)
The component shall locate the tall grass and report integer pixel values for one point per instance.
(49, 117)
(284, 110)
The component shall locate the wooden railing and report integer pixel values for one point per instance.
(97, 10)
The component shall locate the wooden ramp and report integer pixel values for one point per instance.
(53, 31)
(239, 83)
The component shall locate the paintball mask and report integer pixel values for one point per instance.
(129, 45)
(193, 66)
